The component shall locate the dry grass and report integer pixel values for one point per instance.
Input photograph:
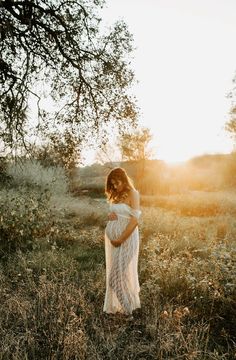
(32, 174)
(195, 203)
(52, 297)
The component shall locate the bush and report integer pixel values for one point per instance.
(4, 177)
(32, 174)
(25, 217)
(203, 285)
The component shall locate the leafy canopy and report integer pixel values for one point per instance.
(58, 46)
(134, 146)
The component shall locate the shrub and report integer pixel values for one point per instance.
(4, 177)
(32, 174)
(25, 217)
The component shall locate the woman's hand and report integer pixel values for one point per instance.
(116, 243)
(112, 216)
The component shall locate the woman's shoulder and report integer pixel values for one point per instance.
(134, 192)
(134, 198)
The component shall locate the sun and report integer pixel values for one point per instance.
(172, 152)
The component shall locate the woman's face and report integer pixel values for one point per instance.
(118, 185)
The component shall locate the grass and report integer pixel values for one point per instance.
(195, 203)
(52, 296)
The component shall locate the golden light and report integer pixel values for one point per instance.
(185, 63)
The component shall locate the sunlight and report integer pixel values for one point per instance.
(183, 72)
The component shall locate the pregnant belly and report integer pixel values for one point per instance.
(115, 228)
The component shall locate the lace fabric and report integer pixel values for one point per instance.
(122, 284)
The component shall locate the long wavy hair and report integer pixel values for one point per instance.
(112, 194)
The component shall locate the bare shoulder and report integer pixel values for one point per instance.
(134, 193)
(134, 198)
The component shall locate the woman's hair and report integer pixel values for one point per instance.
(118, 174)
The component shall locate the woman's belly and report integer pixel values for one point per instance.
(115, 228)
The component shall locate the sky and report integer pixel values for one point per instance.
(185, 61)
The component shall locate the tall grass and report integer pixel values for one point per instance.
(195, 203)
(32, 174)
(26, 216)
(52, 295)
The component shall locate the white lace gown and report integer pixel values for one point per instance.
(122, 284)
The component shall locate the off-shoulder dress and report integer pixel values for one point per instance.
(122, 284)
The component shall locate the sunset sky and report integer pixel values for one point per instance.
(185, 62)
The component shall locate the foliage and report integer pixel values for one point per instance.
(201, 281)
(134, 145)
(108, 154)
(4, 177)
(62, 150)
(52, 297)
(30, 173)
(60, 46)
(231, 124)
(26, 205)
(208, 173)
(24, 218)
(134, 148)
(52, 294)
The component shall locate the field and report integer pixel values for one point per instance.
(52, 277)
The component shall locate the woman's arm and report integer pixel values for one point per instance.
(134, 199)
(126, 233)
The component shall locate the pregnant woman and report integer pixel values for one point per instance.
(122, 244)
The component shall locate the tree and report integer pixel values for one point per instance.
(109, 153)
(231, 124)
(134, 146)
(59, 44)
(61, 149)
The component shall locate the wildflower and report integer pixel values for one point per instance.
(186, 310)
(164, 314)
(177, 314)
